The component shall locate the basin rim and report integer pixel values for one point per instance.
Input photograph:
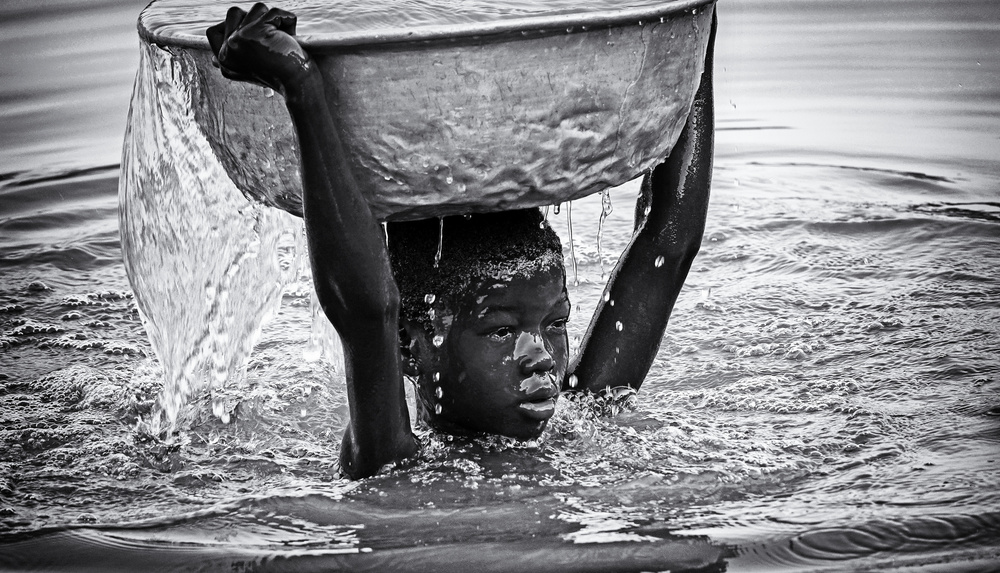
(576, 22)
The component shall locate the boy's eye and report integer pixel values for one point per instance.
(558, 324)
(500, 333)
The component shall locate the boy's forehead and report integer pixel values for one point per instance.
(543, 288)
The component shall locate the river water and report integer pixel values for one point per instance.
(827, 396)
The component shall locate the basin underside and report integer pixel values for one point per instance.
(470, 124)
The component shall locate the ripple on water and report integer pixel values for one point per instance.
(907, 541)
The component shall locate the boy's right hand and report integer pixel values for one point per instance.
(259, 47)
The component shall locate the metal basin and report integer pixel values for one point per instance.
(471, 118)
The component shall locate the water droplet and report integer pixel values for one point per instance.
(437, 255)
(430, 298)
(661, 19)
(555, 209)
(303, 412)
(449, 180)
(219, 409)
(611, 302)
(461, 188)
(572, 248)
(437, 376)
(569, 30)
(438, 393)
(619, 325)
(573, 381)
(437, 408)
(606, 210)
(658, 262)
(438, 340)
(607, 296)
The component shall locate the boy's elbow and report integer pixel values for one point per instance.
(378, 306)
(680, 249)
(684, 253)
(691, 247)
(360, 308)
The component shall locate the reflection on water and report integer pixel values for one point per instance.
(826, 395)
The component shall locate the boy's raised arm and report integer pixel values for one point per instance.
(629, 322)
(350, 264)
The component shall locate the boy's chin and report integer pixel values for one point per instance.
(531, 434)
(526, 429)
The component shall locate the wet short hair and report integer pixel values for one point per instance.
(473, 248)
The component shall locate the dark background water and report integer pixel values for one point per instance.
(827, 395)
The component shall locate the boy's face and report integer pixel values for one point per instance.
(505, 356)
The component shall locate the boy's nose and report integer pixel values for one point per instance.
(531, 354)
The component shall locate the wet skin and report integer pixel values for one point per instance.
(503, 360)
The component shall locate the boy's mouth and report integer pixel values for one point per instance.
(539, 387)
(538, 409)
(541, 393)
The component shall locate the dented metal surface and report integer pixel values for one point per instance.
(471, 123)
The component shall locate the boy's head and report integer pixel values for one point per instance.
(484, 330)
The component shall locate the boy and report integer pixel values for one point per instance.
(485, 332)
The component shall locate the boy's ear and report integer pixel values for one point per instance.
(412, 339)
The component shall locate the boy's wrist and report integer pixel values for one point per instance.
(306, 85)
(358, 461)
